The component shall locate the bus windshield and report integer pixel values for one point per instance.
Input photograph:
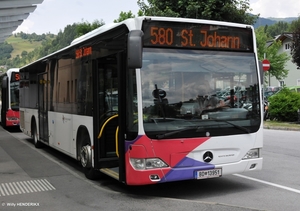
(14, 95)
(187, 92)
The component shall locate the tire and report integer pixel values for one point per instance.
(36, 141)
(92, 174)
(85, 158)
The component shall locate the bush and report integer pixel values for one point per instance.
(284, 106)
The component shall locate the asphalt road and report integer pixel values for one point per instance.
(44, 179)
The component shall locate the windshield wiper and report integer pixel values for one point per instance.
(235, 125)
(200, 129)
(160, 136)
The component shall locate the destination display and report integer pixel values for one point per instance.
(200, 36)
(82, 52)
(15, 76)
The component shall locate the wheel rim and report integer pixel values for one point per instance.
(86, 156)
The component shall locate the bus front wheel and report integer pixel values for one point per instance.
(86, 162)
(86, 156)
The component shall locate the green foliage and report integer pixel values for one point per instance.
(277, 60)
(295, 48)
(295, 25)
(49, 43)
(277, 28)
(24, 53)
(261, 40)
(85, 27)
(266, 33)
(5, 52)
(31, 37)
(284, 106)
(221, 10)
(123, 16)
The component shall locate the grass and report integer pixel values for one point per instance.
(282, 125)
(20, 45)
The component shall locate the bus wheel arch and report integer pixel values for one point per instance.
(83, 147)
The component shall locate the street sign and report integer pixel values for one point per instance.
(266, 65)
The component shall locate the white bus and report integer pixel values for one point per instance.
(124, 100)
(10, 98)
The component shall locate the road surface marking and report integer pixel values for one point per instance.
(31, 186)
(269, 183)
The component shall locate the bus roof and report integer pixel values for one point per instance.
(9, 71)
(13, 70)
(136, 23)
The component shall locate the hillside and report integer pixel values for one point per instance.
(270, 21)
(20, 45)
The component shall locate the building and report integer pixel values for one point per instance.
(12, 14)
(293, 78)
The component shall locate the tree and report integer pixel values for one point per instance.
(277, 28)
(277, 60)
(221, 10)
(85, 27)
(123, 16)
(51, 44)
(295, 46)
(5, 52)
(24, 53)
(295, 49)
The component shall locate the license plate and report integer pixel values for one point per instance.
(211, 173)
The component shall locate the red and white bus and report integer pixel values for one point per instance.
(120, 100)
(10, 98)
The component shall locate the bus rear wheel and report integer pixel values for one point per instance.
(36, 141)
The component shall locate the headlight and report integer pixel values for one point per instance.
(149, 163)
(251, 154)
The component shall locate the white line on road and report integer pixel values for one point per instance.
(269, 183)
(13, 188)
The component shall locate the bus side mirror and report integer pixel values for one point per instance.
(134, 49)
(4, 82)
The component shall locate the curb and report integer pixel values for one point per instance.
(281, 128)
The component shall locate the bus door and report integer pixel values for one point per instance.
(106, 112)
(109, 74)
(43, 106)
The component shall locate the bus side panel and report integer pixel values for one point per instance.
(62, 140)
(68, 125)
(86, 122)
(26, 114)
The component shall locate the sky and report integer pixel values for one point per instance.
(54, 15)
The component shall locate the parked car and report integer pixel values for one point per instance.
(291, 88)
(269, 94)
(294, 88)
(273, 88)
